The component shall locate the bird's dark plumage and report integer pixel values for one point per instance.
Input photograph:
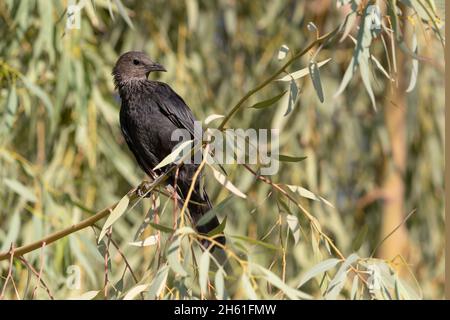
(149, 113)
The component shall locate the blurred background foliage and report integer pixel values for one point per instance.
(62, 156)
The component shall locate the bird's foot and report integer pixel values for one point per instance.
(142, 189)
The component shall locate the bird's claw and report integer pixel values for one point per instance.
(142, 190)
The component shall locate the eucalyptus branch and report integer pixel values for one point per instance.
(238, 106)
(133, 194)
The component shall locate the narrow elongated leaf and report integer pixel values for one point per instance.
(292, 99)
(268, 102)
(226, 183)
(213, 117)
(203, 269)
(21, 190)
(161, 227)
(118, 211)
(135, 291)
(149, 241)
(172, 257)
(315, 77)
(318, 269)
(292, 293)
(257, 242)
(183, 147)
(212, 212)
(285, 158)
(415, 66)
(248, 288)
(302, 72)
(89, 295)
(158, 282)
(219, 228)
(219, 283)
(337, 283)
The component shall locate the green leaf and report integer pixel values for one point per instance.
(292, 99)
(248, 288)
(149, 241)
(123, 13)
(175, 154)
(285, 158)
(337, 283)
(158, 282)
(118, 211)
(294, 226)
(89, 295)
(161, 227)
(203, 270)
(172, 257)
(256, 242)
(268, 102)
(226, 183)
(219, 228)
(213, 211)
(21, 190)
(415, 66)
(219, 284)
(308, 194)
(360, 238)
(271, 277)
(302, 73)
(315, 77)
(318, 269)
(133, 292)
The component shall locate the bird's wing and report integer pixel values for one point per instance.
(174, 107)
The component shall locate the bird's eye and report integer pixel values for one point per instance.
(136, 62)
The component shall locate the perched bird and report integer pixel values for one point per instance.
(150, 111)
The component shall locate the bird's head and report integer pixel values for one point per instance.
(134, 65)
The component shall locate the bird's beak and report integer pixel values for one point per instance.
(156, 67)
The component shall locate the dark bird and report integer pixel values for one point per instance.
(149, 113)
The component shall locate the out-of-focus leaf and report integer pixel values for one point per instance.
(415, 65)
(248, 288)
(271, 277)
(257, 242)
(161, 227)
(21, 190)
(172, 257)
(123, 13)
(360, 238)
(319, 268)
